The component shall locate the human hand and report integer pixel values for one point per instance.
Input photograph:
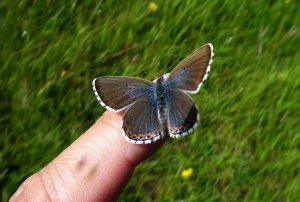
(96, 167)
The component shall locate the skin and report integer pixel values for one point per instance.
(96, 167)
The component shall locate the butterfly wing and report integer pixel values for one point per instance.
(189, 74)
(116, 93)
(183, 114)
(140, 123)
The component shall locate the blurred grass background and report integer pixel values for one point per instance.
(248, 145)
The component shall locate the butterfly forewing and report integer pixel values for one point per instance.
(189, 74)
(118, 92)
(183, 114)
(140, 123)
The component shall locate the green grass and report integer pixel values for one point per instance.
(248, 145)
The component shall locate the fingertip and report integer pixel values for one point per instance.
(137, 153)
(133, 153)
(166, 75)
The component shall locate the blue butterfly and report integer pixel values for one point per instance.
(154, 110)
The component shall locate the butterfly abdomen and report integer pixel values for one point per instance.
(162, 110)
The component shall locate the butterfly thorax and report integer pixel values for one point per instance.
(162, 102)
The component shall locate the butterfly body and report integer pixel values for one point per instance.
(161, 103)
(157, 109)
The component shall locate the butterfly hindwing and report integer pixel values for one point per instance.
(189, 74)
(140, 123)
(183, 114)
(117, 92)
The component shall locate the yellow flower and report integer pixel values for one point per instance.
(287, 2)
(152, 6)
(282, 76)
(63, 73)
(186, 173)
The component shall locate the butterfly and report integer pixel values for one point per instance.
(156, 109)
